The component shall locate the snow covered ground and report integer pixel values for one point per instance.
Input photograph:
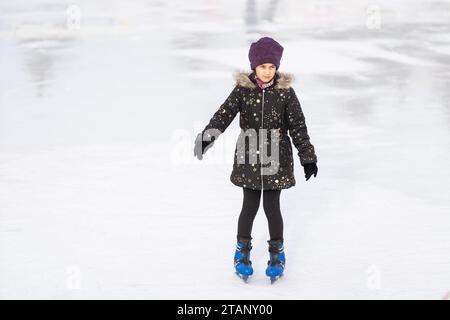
(101, 197)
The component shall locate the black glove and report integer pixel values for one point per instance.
(201, 146)
(310, 169)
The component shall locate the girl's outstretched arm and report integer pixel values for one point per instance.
(223, 117)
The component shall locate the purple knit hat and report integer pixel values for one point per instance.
(265, 50)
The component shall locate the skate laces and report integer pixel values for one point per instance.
(244, 250)
(275, 252)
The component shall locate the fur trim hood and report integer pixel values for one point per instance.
(284, 80)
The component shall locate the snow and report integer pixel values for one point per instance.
(101, 197)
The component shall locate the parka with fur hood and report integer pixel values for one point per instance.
(275, 109)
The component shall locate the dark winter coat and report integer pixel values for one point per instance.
(276, 107)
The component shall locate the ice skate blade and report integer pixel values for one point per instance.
(244, 278)
(274, 279)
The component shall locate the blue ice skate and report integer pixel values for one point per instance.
(242, 264)
(275, 266)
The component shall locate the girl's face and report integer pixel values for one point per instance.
(266, 71)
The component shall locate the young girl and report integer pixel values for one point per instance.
(269, 110)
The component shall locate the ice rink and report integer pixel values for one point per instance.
(101, 196)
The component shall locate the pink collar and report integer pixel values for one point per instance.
(262, 84)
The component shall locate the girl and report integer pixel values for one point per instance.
(269, 110)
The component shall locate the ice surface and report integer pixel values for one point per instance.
(101, 197)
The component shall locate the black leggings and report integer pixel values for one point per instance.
(271, 205)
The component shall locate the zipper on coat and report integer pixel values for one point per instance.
(262, 127)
